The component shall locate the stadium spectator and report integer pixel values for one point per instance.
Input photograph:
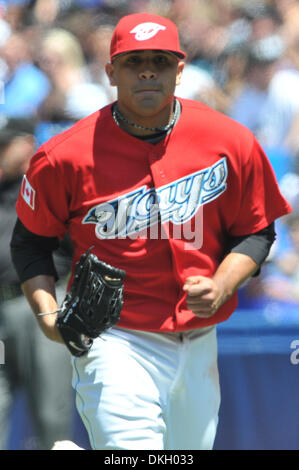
(32, 364)
(25, 85)
(62, 59)
(269, 102)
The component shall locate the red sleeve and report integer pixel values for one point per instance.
(261, 200)
(42, 202)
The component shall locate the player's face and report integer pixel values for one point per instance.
(146, 82)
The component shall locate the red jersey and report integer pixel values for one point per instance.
(161, 212)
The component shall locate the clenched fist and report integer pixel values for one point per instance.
(204, 296)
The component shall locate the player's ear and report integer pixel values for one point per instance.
(180, 69)
(109, 68)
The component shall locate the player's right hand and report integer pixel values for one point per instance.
(204, 296)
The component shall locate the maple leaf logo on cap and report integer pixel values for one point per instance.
(146, 31)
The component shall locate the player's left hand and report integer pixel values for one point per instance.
(204, 296)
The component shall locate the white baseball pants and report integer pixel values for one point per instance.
(149, 391)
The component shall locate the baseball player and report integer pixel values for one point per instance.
(184, 200)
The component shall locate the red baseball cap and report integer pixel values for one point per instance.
(142, 31)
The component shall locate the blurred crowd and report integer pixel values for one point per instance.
(243, 60)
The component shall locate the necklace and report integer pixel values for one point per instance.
(117, 116)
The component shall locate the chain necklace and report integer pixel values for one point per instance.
(117, 116)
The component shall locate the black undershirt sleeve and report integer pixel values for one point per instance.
(256, 245)
(32, 254)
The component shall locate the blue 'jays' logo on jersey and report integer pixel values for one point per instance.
(176, 202)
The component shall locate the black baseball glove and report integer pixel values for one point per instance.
(92, 305)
